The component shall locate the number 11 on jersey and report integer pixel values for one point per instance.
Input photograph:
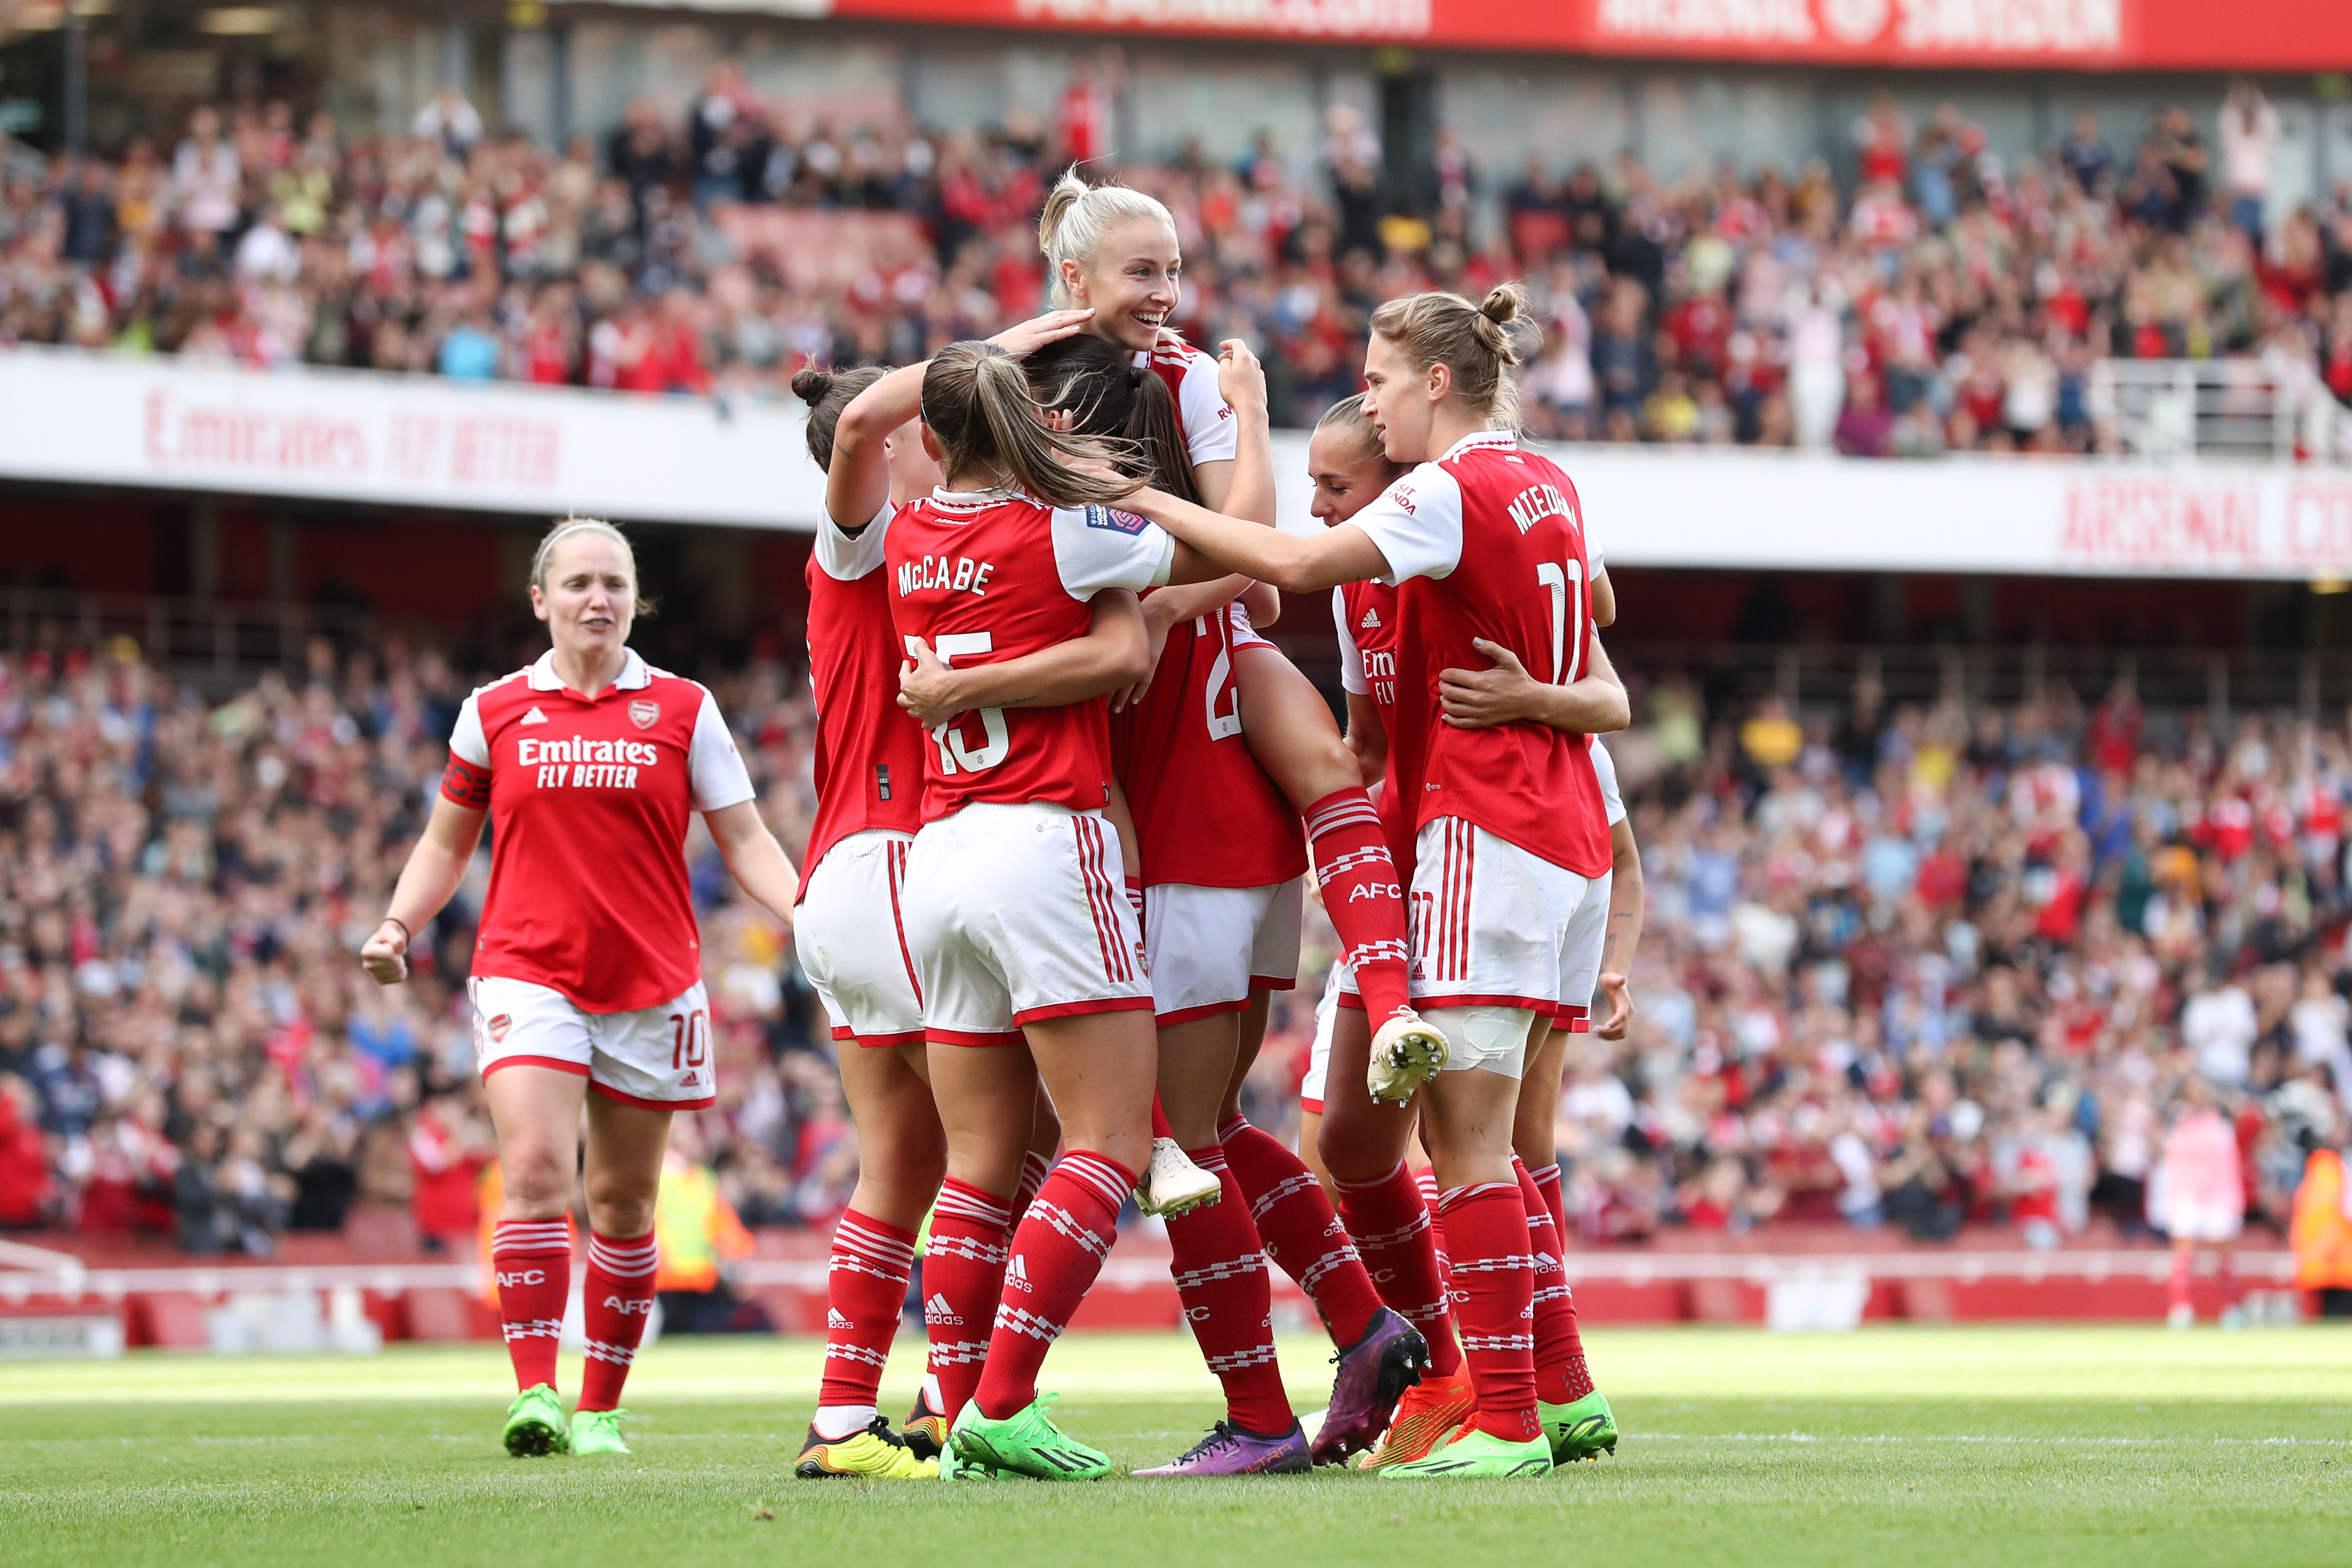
(1567, 584)
(954, 754)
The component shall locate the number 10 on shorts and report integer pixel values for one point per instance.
(689, 1038)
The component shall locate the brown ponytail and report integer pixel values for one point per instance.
(1474, 343)
(1354, 424)
(976, 403)
(1107, 394)
(827, 393)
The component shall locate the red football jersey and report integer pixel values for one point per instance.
(984, 577)
(588, 800)
(1487, 541)
(1211, 434)
(1205, 812)
(1365, 616)
(869, 754)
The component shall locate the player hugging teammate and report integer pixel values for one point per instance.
(1067, 799)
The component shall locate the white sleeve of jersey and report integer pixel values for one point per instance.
(1605, 768)
(1352, 658)
(846, 559)
(468, 743)
(1212, 434)
(1417, 525)
(1097, 548)
(714, 766)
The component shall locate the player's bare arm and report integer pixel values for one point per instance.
(1113, 656)
(858, 482)
(435, 866)
(1604, 599)
(1595, 704)
(754, 858)
(1624, 931)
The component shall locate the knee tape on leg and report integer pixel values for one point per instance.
(1492, 1037)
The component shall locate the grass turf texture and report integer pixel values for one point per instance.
(1891, 1445)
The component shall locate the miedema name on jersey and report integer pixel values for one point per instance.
(580, 764)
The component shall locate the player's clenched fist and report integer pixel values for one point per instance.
(386, 955)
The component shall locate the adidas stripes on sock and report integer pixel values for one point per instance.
(1393, 1234)
(865, 1286)
(618, 1297)
(531, 1260)
(963, 1272)
(1561, 1375)
(1057, 1251)
(1302, 1232)
(1363, 896)
(1494, 1289)
(1219, 1265)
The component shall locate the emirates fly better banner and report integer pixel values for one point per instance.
(428, 442)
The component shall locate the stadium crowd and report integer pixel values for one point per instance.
(1907, 968)
(1942, 298)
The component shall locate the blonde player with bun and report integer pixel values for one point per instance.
(586, 977)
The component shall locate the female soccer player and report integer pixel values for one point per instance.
(1350, 469)
(1220, 858)
(587, 968)
(1115, 250)
(1483, 541)
(869, 770)
(1025, 947)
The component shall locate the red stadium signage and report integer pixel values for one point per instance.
(2089, 35)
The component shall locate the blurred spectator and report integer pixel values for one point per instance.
(720, 246)
(699, 1234)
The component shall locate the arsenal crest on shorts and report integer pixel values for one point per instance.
(643, 712)
(500, 1025)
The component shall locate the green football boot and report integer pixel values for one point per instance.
(597, 1432)
(1584, 1430)
(1026, 1443)
(536, 1424)
(1476, 1455)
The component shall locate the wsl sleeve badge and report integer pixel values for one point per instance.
(1111, 518)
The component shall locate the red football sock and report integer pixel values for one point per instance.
(963, 1272)
(1363, 896)
(1548, 1182)
(1302, 1232)
(1056, 1253)
(1487, 1236)
(864, 1287)
(1220, 1270)
(1425, 1180)
(1159, 1127)
(1561, 1376)
(1034, 1166)
(1392, 1232)
(532, 1261)
(618, 1296)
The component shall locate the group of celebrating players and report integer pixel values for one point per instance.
(1058, 867)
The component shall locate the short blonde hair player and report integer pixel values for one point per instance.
(586, 972)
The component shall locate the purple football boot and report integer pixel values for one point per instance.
(1375, 1372)
(1228, 1450)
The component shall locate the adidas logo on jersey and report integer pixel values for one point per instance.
(533, 716)
(1016, 1276)
(834, 1319)
(1370, 621)
(938, 1315)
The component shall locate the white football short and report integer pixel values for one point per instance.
(1211, 946)
(1580, 964)
(1489, 921)
(658, 1057)
(851, 933)
(1017, 913)
(2185, 1219)
(1318, 1055)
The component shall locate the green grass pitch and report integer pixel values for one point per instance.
(1887, 1448)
